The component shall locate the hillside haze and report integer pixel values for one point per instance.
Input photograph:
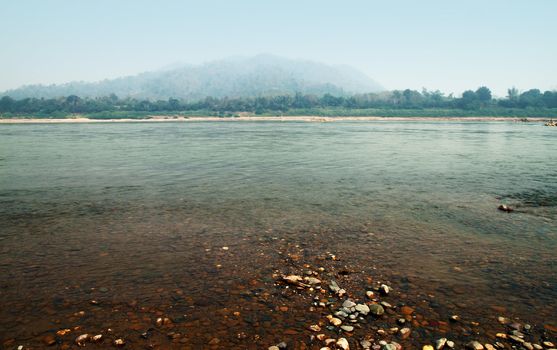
(262, 75)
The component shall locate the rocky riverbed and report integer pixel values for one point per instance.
(306, 301)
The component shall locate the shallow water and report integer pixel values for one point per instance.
(142, 210)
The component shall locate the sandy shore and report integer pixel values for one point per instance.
(159, 119)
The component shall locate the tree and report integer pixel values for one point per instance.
(6, 104)
(469, 100)
(531, 98)
(512, 94)
(483, 94)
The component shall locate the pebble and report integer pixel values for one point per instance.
(119, 342)
(282, 345)
(82, 339)
(388, 347)
(370, 294)
(387, 305)
(385, 289)
(528, 346)
(363, 309)
(335, 321)
(325, 348)
(341, 313)
(427, 347)
(342, 343)
(405, 332)
(49, 340)
(214, 341)
(274, 347)
(503, 320)
(96, 338)
(548, 344)
(489, 346)
(63, 332)
(347, 328)
(348, 304)
(516, 339)
(376, 309)
(474, 345)
(315, 328)
(333, 286)
(366, 344)
(440, 343)
(312, 280)
(517, 334)
(450, 344)
(292, 279)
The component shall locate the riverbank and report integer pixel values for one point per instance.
(158, 119)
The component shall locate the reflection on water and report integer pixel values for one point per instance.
(141, 211)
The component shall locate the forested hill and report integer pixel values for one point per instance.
(262, 75)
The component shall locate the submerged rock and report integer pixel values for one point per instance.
(504, 207)
(363, 309)
(405, 332)
(376, 309)
(315, 328)
(440, 343)
(49, 340)
(342, 343)
(474, 345)
(82, 339)
(335, 321)
(333, 286)
(348, 304)
(347, 328)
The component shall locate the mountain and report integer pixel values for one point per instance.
(234, 77)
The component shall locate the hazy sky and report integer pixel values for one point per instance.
(447, 45)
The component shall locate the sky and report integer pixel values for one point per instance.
(439, 44)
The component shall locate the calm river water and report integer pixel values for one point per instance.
(107, 227)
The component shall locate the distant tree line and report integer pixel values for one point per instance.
(479, 99)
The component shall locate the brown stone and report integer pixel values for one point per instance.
(499, 309)
(49, 340)
(406, 310)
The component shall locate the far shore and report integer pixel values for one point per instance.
(158, 119)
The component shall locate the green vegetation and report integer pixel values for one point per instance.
(407, 103)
